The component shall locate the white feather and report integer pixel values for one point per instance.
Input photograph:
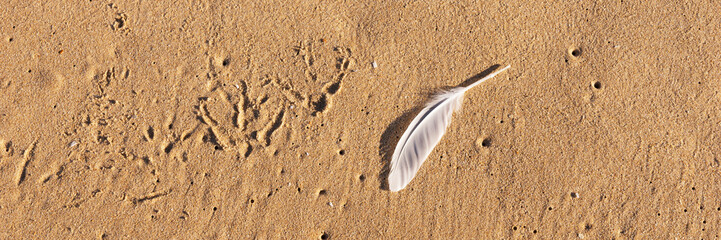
(424, 133)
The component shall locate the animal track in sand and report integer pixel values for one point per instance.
(341, 61)
(238, 116)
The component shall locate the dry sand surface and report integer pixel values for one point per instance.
(265, 120)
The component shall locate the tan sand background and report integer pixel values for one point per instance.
(266, 119)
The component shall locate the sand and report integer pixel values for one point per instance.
(267, 120)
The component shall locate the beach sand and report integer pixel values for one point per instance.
(275, 119)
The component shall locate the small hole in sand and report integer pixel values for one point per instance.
(322, 192)
(574, 194)
(597, 85)
(324, 236)
(341, 152)
(576, 52)
(362, 177)
(486, 142)
(226, 62)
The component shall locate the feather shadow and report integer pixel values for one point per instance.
(477, 77)
(395, 129)
(388, 141)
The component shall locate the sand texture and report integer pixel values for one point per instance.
(278, 119)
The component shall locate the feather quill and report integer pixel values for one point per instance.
(424, 133)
